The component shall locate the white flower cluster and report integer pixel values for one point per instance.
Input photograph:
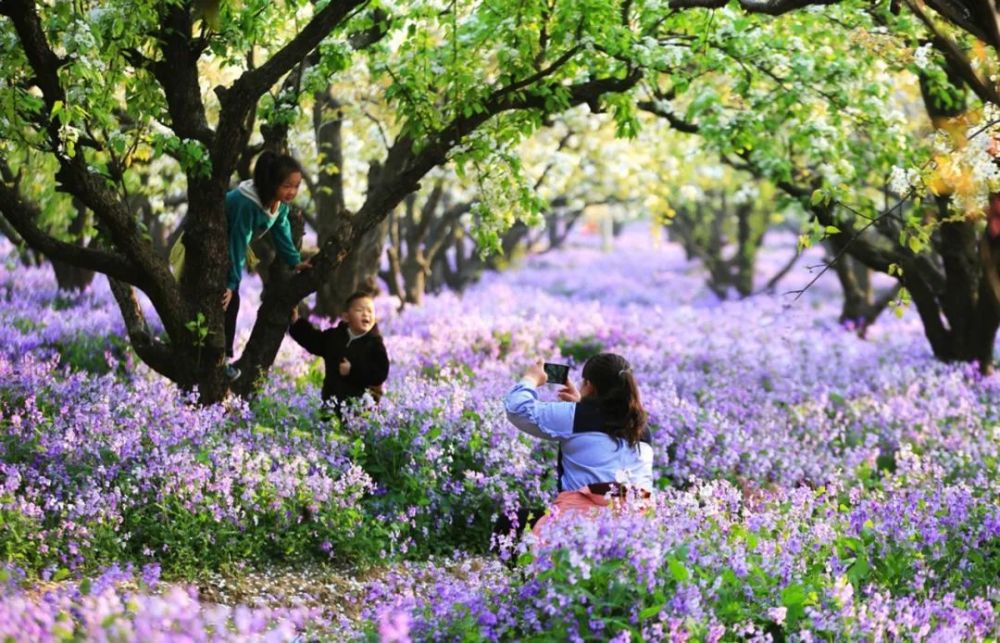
(79, 42)
(980, 157)
(922, 56)
(662, 56)
(691, 192)
(836, 173)
(77, 38)
(747, 193)
(901, 180)
(991, 113)
(969, 165)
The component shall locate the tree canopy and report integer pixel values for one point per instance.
(107, 107)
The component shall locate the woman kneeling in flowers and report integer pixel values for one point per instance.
(604, 444)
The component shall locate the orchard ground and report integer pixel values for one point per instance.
(811, 484)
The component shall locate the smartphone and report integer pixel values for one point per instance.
(557, 373)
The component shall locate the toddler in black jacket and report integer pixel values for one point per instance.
(353, 352)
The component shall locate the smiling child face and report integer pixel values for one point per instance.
(360, 315)
(289, 187)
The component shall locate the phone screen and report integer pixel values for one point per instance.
(557, 373)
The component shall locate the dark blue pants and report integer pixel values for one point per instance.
(231, 313)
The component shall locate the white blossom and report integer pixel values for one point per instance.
(691, 192)
(901, 180)
(922, 56)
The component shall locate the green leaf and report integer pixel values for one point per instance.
(793, 595)
(678, 571)
(859, 570)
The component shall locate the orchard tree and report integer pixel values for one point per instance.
(950, 26)
(181, 82)
(720, 217)
(829, 129)
(576, 164)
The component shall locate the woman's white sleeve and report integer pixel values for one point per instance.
(545, 420)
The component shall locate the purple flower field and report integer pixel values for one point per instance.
(812, 485)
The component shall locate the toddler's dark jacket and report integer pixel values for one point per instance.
(367, 355)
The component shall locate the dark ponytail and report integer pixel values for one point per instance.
(617, 396)
(270, 172)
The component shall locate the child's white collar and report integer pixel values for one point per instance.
(248, 190)
(351, 335)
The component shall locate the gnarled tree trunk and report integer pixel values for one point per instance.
(68, 276)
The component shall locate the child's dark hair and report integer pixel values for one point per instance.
(617, 396)
(270, 172)
(358, 294)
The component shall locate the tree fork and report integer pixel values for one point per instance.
(402, 172)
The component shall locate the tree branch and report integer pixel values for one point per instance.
(380, 28)
(960, 63)
(22, 215)
(42, 59)
(563, 141)
(252, 84)
(152, 351)
(778, 276)
(979, 19)
(540, 75)
(658, 109)
(442, 230)
(178, 74)
(240, 100)
(769, 7)
(7, 230)
(417, 232)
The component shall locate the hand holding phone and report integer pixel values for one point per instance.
(568, 392)
(557, 373)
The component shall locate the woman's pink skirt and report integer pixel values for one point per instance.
(580, 501)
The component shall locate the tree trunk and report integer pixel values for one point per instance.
(415, 277)
(359, 270)
(70, 277)
(957, 307)
(393, 277)
(453, 277)
(861, 308)
(747, 243)
(206, 263)
(857, 294)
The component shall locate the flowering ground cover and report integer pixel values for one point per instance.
(812, 485)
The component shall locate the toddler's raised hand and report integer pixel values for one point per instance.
(345, 367)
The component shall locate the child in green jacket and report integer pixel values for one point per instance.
(254, 207)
